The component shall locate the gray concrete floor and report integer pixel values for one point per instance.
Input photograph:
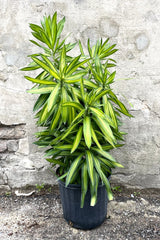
(131, 216)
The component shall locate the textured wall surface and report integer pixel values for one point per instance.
(135, 27)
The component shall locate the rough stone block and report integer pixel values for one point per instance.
(6, 133)
(3, 146)
(109, 27)
(142, 41)
(27, 163)
(12, 132)
(12, 145)
(23, 146)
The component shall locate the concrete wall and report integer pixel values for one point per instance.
(135, 27)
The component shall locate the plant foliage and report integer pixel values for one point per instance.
(76, 106)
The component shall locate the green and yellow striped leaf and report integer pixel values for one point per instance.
(106, 130)
(54, 33)
(53, 97)
(64, 147)
(55, 119)
(72, 64)
(87, 131)
(90, 166)
(65, 98)
(111, 78)
(41, 90)
(73, 168)
(73, 104)
(77, 139)
(46, 67)
(95, 139)
(63, 59)
(35, 80)
(40, 102)
(104, 154)
(69, 130)
(93, 189)
(103, 178)
(60, 26)
(51, 69)
(84, 184)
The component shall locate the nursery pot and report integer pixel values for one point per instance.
(87, 217)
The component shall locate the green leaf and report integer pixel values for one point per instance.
(35, 28)
(81, 48)
(60, 26)
(104, 154)
(37, 44)
(82, 88)
(52, 152)
(105, 51)
(63, 59)
(35, 80)
(63, 176)
(40, 101)
(101, 94)
(93, 189)
(87, 131)
(52, 70)
(73, 104)
(77, 139)
(103, 46)
(30, 68)
(89, 84)
(111, 78)
(46, 67)
(108, 147)
(56, 161)
(106, 130)
(89, 48)
(64, 98)
(90, 166)
(69, 130)
(54, 33)
(97, 112)
(108, 109)
(106, 162)
(64, 147)
(84, 184)
(53, 97)
(43, 116)
(75, 67)
(76, 76)
(72, 64)
(122, 109)
(79, 116)
(55, 119)
(73, 168)
(96, 75)
(103, 177)
(95, 139)
(48, 29)
(38, 36)
(41, 90)
(106, 54)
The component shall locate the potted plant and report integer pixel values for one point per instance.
(80, 117)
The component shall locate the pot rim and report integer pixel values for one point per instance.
(74, 186)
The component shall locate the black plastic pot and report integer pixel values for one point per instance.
(87, 217)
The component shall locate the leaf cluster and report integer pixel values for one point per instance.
(76, 107)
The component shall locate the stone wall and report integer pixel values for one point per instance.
(135, 27)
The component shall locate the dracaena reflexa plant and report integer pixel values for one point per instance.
(78, 110)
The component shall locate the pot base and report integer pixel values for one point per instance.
(87, 217)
